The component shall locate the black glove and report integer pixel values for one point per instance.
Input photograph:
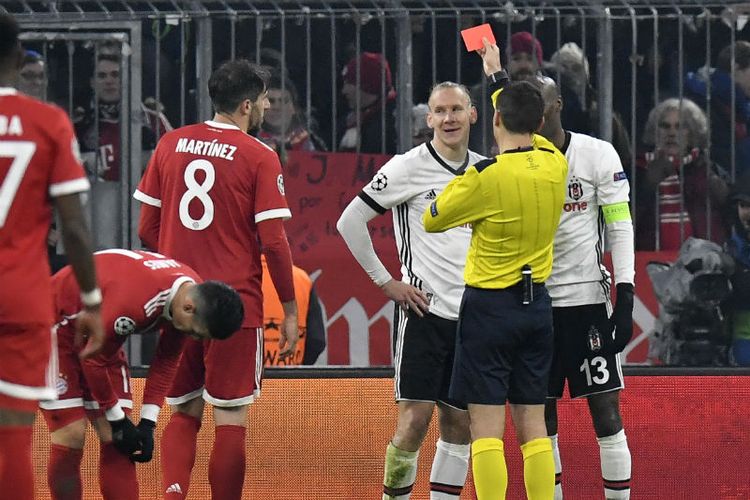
(125, 436)
(146, 436)
(622, 317)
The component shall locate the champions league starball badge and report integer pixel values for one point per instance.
(124, 326)
(379, 182)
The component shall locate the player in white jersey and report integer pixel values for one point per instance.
(588, 339)
(428, 295)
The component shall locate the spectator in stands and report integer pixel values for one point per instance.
(312, 332)
(32, 79)
(98, 130)
(738, 247)
(420, 131)
(283, 126)
(370, 126)
(571, 64)
(678, 193)
(723, 79)
(524, 56)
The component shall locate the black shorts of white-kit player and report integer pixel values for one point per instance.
(587, 372)
(423, 357)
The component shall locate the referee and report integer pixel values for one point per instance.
(504, 343)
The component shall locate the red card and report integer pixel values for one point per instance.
(473, 36)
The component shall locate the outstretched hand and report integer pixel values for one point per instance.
(490, 54)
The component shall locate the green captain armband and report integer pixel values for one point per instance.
(616, 212)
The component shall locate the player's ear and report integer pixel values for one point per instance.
(473, 114)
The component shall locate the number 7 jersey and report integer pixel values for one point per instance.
(213, 184)
(39, 160)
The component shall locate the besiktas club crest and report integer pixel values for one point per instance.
(575, 190)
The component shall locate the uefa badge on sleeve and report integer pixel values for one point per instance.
(379, 182)
(280, 184)
(124, 326)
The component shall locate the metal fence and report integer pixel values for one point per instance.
(632, 56)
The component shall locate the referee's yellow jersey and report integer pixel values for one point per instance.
(513, 202)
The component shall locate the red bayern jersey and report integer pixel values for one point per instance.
(214, 184)
(39, 160)
(138, 288)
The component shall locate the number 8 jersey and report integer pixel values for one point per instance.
(213, 184)
(39, 160)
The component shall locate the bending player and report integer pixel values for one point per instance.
(145, 292)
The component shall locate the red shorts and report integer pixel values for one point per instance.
(225, 372)
(27, 366)
(74, 398)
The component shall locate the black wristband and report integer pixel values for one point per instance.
(497, 76)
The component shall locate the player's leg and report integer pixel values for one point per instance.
(402, 453)
(613, 445)
(488, 451)
(26, 370)
(451, 462)
(419, 363)
(66, 453)
(178, 442)
(117, 474)
(231, 385)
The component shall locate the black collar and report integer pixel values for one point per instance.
(565, 145)
(440, 160)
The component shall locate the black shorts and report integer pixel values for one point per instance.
(424, 357)
(587, 373)
(504, 348)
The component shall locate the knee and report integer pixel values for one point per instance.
(550, 417)
(454, 426)
(606, 417)
(412, 428)
(72, 435)
(192, 408)
(231, 415)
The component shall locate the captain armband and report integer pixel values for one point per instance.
(616, 212)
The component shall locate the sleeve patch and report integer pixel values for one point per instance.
(433, 209)
(620, 176)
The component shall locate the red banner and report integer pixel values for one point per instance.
(358, 315)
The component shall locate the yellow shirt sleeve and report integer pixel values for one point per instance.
(461, 202)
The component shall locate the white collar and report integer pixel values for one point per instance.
(175, 286)
(214, 124)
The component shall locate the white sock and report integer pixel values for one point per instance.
(615, 457)
(558, 468)
(449, 469)
(399, 474)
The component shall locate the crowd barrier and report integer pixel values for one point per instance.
(324, 438)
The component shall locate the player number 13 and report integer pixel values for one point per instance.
(598, 365)
(199, 192)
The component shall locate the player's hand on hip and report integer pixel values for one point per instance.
(289, 336)
(490, 57)
(407, 297)
(89, 331)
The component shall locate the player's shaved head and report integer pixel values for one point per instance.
(549, 89)
(449, 85)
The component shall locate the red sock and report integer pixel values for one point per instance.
(64, 473)
(117, 478)
(16, 471)
(226, 469)
(178, 454)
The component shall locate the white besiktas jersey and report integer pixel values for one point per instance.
(595, 179)
(433, 262)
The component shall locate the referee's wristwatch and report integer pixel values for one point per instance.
(497, 76)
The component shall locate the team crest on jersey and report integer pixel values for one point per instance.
(575, 190)
(379, 182)
(61, 385)
(280, 184)
(124, 326)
